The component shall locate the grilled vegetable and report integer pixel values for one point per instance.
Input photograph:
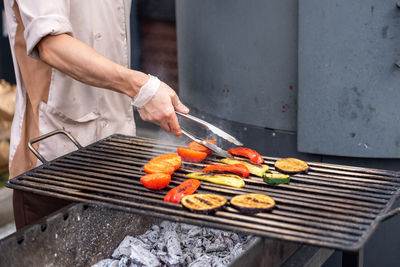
(291, 166)
(239, 169)
(255, 169)
(276, 178)
(252, 203)
(150, 168)
(248, 153)
(155, 181)
(199, 147)
(220, 178)
(187, 187)
(203, 203)
(191, 155)
(172, 159)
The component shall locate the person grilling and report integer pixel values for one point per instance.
(71, 62)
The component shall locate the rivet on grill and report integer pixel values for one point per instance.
(43, 227)
(20, 240)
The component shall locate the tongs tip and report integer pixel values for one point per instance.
(212, 128)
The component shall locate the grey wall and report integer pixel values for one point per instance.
(238, 59)
(349, 86)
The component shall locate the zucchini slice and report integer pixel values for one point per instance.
(203, 203)
(291, 166)
(252, 203)
(256, 169)
(276, 178)
(218, 178)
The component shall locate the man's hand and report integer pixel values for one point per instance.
(161, 109)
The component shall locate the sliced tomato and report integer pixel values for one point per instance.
(185, 188)
(170, 158)
(199, 147)
(188, 154)
(155, 181)
(248, 153)
(239, 169)
(155, 167)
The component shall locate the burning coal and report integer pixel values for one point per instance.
(178, 244)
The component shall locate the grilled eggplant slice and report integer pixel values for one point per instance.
(218, 178)
(256, 169)
(252, 203)
(276, 178)
(203, 203)
(291, 166)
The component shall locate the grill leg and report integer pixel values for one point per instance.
(353, 259)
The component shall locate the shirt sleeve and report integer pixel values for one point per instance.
(42, 18)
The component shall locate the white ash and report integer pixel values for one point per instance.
(177, 244)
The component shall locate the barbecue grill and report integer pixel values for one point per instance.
(331, 206)
(82, 235)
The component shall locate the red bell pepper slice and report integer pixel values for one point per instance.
(187, 187)
(239, 169)
(199, 147)
(191, 155)
(170, 158)
(248, 153)
(150, 168)
(155, 181)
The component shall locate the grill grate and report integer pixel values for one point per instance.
(331, 206)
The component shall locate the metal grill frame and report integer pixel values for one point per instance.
(303, 212)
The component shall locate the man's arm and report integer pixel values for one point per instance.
(84, 64)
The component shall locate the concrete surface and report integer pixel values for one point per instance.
(7, 225)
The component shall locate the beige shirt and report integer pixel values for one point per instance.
(47, 99)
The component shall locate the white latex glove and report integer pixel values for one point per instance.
(160, 109)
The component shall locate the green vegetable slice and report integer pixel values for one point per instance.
(276, 178)
(256, 169)
(221, 178)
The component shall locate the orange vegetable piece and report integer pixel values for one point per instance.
(199, 147)
(191, 155)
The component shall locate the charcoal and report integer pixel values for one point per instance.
(124, 248)
(161, 255)
(124, 262)
(140, 255)
(168, 226)
(198, 243)
(150, 236)
(186, 227)
(216, 247)
(206, 243)
(218, 262)
(155, 228)
(237, 250)
(203, 261)
(187, 242)
(235, 238)
(137, 251)
(160, 245)
(106, 263)
(185, 260)
(176, 245)
(216, 232)
(173, 248)
(195, 231)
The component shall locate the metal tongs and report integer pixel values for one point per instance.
(215, 130)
